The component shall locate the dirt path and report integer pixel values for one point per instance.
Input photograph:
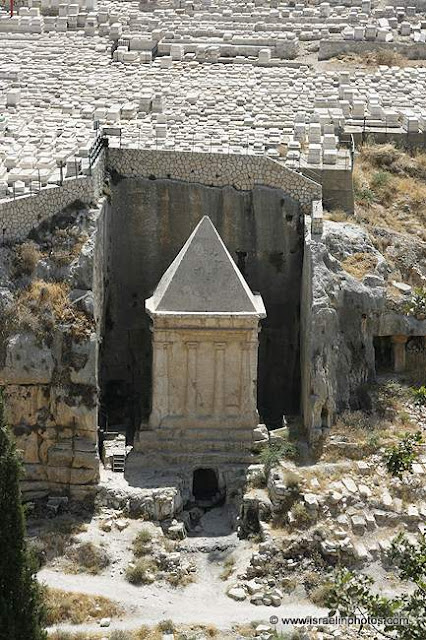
(202, 602)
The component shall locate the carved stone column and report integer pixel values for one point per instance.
(398, 347)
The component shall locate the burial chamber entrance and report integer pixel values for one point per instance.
(205, 485)
(149, 221)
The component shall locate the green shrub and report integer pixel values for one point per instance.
(272, 454)
(301, 517)
(419, 396)
(166, 626)
(142, 572)
(22, 613)
(380, 179)
(142, 543)
(416, 306)
(400, 458)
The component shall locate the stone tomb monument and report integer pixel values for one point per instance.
(205, 324)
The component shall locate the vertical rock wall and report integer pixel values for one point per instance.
(150, 222)
(50, 375)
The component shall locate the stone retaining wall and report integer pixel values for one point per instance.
(18, 216)
(215, 170)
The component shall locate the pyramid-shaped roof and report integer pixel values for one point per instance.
(203, 278)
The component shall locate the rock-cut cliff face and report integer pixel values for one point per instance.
(351, 301)
(51, 301)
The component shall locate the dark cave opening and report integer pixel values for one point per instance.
(205, 485)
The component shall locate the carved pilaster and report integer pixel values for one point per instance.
(219, 378)
(191, 376)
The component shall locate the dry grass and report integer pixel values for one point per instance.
(359, 264)
(361, 434)
(56, 537)
(25, 259)
(302, 518)
(142, 544)
(77, 608)
(65, 635)
(142, 571)
(87, 558)
(390, 189)
(180, 579)
(147, 633)
(66, 245)
(228, 568)
(337, 215)
(44, 305)
(167, 626)
(374, 59)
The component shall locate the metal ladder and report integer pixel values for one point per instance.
(118, 462)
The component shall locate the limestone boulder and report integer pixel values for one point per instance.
(237, 593)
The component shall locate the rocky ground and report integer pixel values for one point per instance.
(312, 514)
(342, 511)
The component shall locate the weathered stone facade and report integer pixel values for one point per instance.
(51, 381)
(205, 344)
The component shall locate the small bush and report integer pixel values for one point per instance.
(166, 626)
(400, 458)
(76, 608)
(417, 304)
(142, 572)
(142, 543)
(229, 566)
(272, 454)
(419, 396)
(320, 594)
(372, 444)
(380, 179)
(121, 635)
(25, 259)
(302, 518)
(291, 480)
(180, 578)
(288, 585)
(88, 558)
